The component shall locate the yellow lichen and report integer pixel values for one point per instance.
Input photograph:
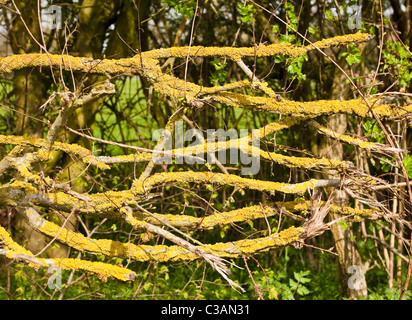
(147, 65)
(99, 268)
(253, 246)
(366, 213)
(358, 37)
(43, 155)
(302, 206)
(76, 64)
(279, 125)
(345, 138)
(22, 185)
(304, 109)
(105, 203)
(227, 179)
(236, 54)
(218, 218)
(10, 244)
(299, 162)
(139, 157)
(243, 144)
(164, 253)
(103, 270)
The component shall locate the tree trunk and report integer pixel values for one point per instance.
(343, 237)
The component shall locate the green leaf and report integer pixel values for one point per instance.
(352, 59)
(293, 284)
(300, 276)
(250, 223)
(329, 15)
(273, 294)
(295, 67)
(147, 286)
(289, 6)
(219, 75)
(353, 56)
(187, 8)
(302, 290)
(292, 69)
(312, 30)
(361, 244)
(370, 244)
(293, 20)
(343, 224)
(407, 162)
(246, 12)
(287, 38)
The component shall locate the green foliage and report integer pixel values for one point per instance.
(296, 284)
(246, 12)
(294, 67)
(407, 162)
(353, 55)
(313, 30)
(186, 8)
(398, 60)
(287, 38)
(373, 132)
(5, 114)
(219, 75)
(330, 16)
(294, 278)
(292, 17)
(343, 224)
(384, 293)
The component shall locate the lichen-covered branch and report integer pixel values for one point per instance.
(304, 109)
(160, 253)
(228, 180)
(236, 54)
(75, 102)
(363, 144)
(209, 147)
(213, 259)
(13, 250)
(108, 203)
(84, 154)
(289, 208)
(146, 64)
